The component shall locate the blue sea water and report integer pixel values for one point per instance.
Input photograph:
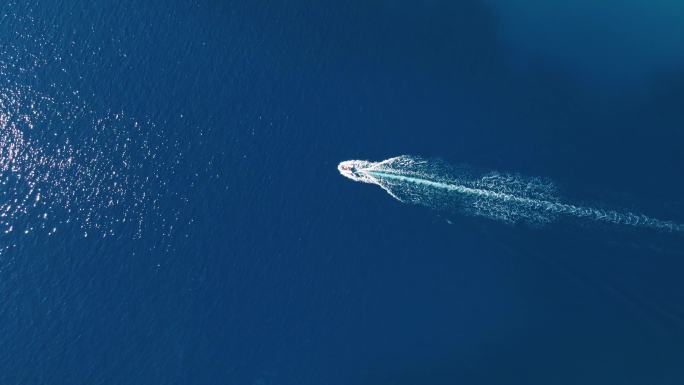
(171, 211)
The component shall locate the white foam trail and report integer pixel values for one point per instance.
(504, 197)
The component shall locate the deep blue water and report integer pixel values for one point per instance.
(192, 228)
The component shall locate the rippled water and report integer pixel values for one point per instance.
(65, 163)
(170, 212)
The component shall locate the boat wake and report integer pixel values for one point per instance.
(509, 198)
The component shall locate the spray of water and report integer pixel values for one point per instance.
(508, 198)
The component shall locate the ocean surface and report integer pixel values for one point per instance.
(171, 210)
